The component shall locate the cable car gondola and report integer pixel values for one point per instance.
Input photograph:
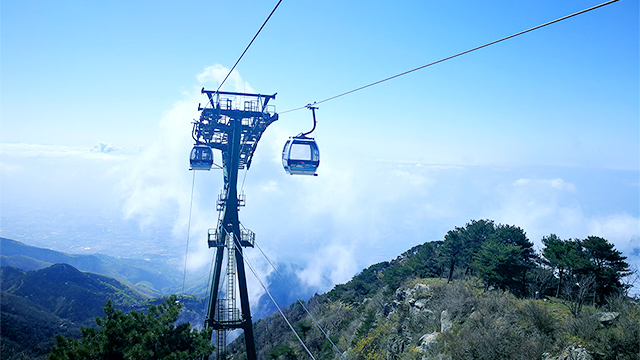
(300, 155)
(201, 158)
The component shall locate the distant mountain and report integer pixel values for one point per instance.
(28, 329)
(67, 292)
(153, 278)
(38, 304)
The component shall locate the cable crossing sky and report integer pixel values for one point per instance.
(248, 46)
(454, 56)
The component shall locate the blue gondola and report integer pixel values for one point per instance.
(301, 156)
(201, 158)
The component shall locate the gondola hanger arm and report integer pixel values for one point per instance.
(313, 108)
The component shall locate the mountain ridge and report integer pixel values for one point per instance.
(37, 304)
(153, 279)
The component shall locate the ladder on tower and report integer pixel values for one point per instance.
(227, 311)
(221, 334)
(231, 279)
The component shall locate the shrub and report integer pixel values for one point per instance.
(538, 315)
(620, 340)
(282, 352)
(495, 331)
(137, 335)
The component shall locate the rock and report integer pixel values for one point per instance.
(606, 318)
(410, 295)
(575, 353)
(570, 353)
(445, 321)
(421, 291)
(426, 341)
(419, 311)
(476, 315)
(420, 304)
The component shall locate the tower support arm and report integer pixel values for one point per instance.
(211, 93)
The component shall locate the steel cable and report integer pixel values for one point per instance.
(255, 273)
(251, 42)
(456, 55)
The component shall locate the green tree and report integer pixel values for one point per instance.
(514, 235)
(567, 257)
(504, 258)
(453, 250)
(593, 261)
(461, 245)
(607, 267)
(282, 352)
(475, 234)
(510, 235)
(552, 256)
(500, 264)
(136, 335)
(373, 346)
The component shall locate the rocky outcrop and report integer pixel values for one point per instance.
(572, 352)
(445, 321)
(427, 341)
(606, 318)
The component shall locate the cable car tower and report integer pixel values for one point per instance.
(232, 123)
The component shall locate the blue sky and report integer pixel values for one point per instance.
(541, 131)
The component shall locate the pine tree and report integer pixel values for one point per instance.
(607, 267)
(136, 335)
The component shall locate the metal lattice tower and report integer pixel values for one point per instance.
(232, 123)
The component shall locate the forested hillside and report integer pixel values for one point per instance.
(36, 305)
(482, 293)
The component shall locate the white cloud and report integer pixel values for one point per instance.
(157, 179)
(333, 264)
(215, 75)
(557, 184)
(539, 206)
(22, 150)
(256, 281)
(103, 147)
(620, 229)
(545, 206)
